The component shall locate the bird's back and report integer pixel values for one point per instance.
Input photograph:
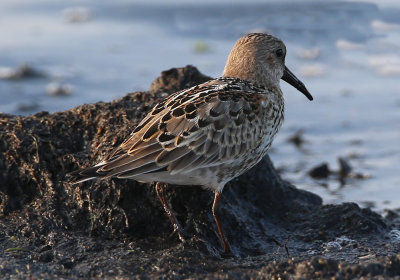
(205, 135)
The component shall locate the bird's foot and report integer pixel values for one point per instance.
(227, 253)
(180, 232)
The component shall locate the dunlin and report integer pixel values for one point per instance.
(211, 133)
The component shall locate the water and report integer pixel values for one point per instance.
(347, 53)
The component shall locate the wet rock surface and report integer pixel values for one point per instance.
(117, 228)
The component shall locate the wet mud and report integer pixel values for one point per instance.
(118, 229)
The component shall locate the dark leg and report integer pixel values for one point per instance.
(168, 210)
(227, 247)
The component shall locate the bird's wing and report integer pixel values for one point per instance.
(207, 125)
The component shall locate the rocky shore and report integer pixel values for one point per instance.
(118, 229)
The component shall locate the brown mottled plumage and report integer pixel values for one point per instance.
(211, 133)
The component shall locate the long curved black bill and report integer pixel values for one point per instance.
(291, 79)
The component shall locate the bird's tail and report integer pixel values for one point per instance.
(85, 174)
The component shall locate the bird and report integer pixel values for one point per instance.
(210, 133)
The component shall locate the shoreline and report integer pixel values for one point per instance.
(118, 229)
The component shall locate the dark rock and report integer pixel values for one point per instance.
(320, 171)
(46, 256)
(118, 229)
(298, 138)
(344, 167)
(176, 79)
(23, 72)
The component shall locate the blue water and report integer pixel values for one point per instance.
(347, 53)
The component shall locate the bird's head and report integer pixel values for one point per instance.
(260, 58)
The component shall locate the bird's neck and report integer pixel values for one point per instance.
(252, 71)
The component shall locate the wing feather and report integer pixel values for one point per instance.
(193, 129)
(151, 167)
(134, 165)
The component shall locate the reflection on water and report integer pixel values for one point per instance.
(347, 53)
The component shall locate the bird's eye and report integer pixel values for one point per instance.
(279, 52)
